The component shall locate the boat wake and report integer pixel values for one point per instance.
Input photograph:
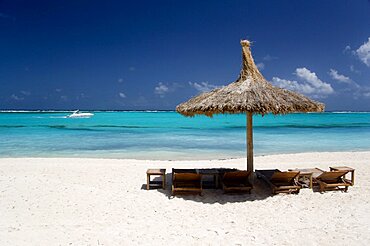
(78, 114)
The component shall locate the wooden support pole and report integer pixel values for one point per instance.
(249, 142)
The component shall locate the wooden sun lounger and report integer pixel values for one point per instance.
(236, 182)
(333, 180)
(280, 182)
(186, 181)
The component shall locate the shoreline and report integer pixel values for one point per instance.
(192, 160)
(81, 201)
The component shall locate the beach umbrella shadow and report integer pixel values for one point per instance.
(212, 196)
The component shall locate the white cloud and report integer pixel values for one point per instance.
(122, 95)
(310, 85)
(120, 80)
(339, 77)
(293, 85)
(353, 86)
(161, 89)
(363, 52)
(260, 65)
(312, 79)
(202, 86)
(17, 98)
(164, 88)
(132, 69)
(58, 90)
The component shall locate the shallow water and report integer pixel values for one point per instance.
(168, 135)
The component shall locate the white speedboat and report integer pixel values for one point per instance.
(78, 114)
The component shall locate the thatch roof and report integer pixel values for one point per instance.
(251, 92)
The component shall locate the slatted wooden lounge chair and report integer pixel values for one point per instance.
(236, 182)
(333, 180)
(186, 181)
(184, 170)
(280, 182)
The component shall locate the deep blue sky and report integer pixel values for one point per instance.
(156, 54)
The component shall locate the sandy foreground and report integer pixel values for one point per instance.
(60, 201)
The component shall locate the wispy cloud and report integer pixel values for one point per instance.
(354, 70)
(363, 52)
(81, 96)
(310, 84)
(347, 50)
(269, 58)
(366, 94)
(16, 98)
(20, 97)
(26, 93)
(339, 77)
(64, 97)
(260, 66)
(359, 91)
(202, 86)
(122, 95)
(352, 86)
(120, 80)
(132, 68)
(161, 89)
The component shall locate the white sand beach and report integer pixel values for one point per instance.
(60, 201)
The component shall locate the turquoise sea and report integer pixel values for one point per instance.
(170, 136)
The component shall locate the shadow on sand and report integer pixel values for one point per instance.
(260, 191)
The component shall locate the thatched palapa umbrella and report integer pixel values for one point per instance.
(252, 94)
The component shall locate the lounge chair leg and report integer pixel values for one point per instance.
(321, 188)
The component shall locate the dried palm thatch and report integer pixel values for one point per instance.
(251, 93)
